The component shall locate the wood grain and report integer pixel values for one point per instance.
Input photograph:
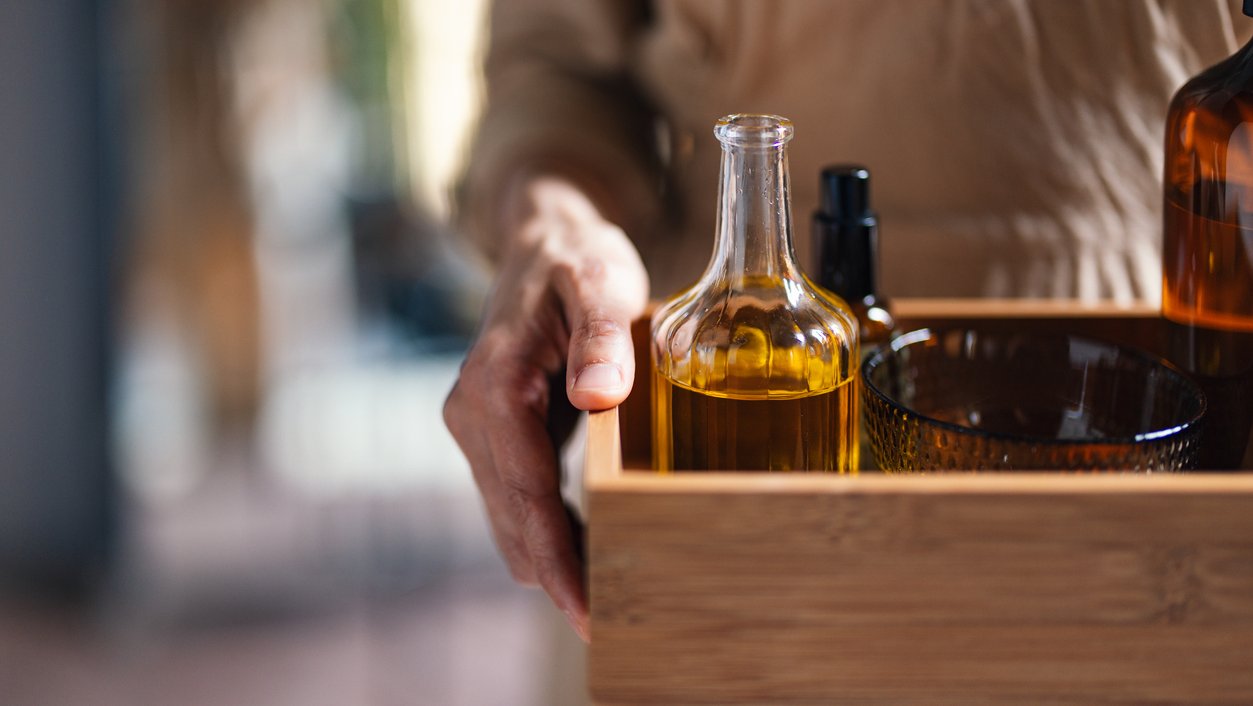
(1025, 589)
(1047, 589)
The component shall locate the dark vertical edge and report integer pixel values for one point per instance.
(60, 191)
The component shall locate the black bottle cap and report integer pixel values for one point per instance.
(845, 232)
(846, 192)
(1248, 7)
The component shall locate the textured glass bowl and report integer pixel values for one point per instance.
(966, 400)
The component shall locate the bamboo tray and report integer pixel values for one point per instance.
(756, 589)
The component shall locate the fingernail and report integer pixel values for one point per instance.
(578, 626)
(599, 377)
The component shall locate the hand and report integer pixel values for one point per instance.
(570, 285)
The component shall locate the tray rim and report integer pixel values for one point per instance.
(604, 470)
(606, 473)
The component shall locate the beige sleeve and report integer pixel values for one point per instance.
(561, 98)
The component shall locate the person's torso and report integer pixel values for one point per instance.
(1014, 145)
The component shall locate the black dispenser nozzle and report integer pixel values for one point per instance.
(845, 230)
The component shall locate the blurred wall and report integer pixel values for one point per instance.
(55, 484)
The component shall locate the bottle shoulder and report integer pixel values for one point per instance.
(1209, 138)
(878, 324)
(772, 304)
(1227, 83)
(771, 338)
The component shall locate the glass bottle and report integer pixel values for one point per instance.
(846, 238)
(1207, 260)
(753, 366)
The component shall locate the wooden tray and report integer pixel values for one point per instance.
(966, 589)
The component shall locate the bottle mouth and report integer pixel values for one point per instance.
(751, 130)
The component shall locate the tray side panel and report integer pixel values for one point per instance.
(751, 590)
(848, 597)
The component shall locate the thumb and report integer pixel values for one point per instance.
(599, 303)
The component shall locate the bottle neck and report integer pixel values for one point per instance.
(754, 216)
(847, 255)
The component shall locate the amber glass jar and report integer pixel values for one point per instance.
(1207, 263)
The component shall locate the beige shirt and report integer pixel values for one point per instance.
(1015, 145)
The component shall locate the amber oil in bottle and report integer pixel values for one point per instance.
(753, 367)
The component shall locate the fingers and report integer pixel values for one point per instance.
(497, 414)
(600, 297)
(528, 472)
(467, 427)
(505, 530)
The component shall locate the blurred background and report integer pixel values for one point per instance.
(230, 310)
